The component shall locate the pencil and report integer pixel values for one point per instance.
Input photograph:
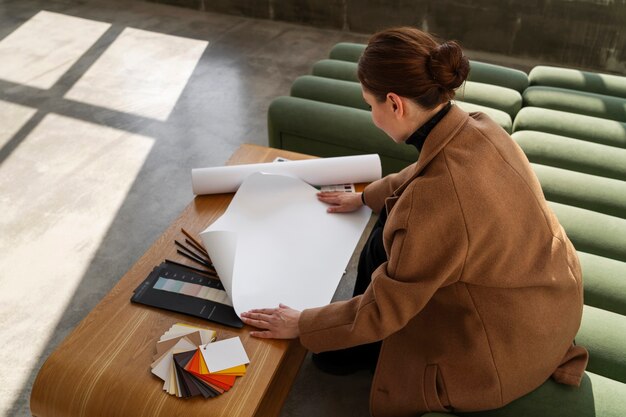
(199, 249)
(206, 262)
(201, 271)
(193, 258)
(191, 252)
(197, 244)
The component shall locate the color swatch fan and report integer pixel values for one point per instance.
(191, 363)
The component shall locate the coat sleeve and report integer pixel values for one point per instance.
(375, 193)
(427, 251)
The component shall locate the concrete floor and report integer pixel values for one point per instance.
(88, 181)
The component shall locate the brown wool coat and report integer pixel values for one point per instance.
(481, 297)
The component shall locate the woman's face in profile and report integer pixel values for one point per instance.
(382, 114)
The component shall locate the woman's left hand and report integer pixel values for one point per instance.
(278, 323)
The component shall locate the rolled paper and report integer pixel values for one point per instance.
(323, 171)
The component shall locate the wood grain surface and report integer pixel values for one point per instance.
(103, 367)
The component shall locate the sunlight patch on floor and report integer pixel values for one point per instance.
(42, 49)
(12, 118)
(60, 190)
(141, 73)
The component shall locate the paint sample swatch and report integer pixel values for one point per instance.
(193, 290)
(181, 362)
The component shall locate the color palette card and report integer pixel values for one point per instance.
(178, 288)
(181, 362)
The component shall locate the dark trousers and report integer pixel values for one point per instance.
(372, 256)
(361, 356)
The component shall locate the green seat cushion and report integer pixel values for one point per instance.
(592, 82)
(573, 154)
(600, 194)
(328, 90)
(604, 280)
(498, 116)
(590, 104)
(592, 232)
(592, 129)
(498, 75)
(603, 334)
(496, 97)
(347, 51)
(326, 130)
(597, 396)
(339, 70)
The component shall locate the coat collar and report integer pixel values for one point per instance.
(438, 138)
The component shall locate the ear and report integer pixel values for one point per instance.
(397, 104)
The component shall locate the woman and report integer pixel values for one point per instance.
(476, 294)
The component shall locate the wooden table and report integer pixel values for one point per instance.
(103, 367)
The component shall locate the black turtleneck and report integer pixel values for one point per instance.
(418, 137)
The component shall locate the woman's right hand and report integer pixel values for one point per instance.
(341, 202)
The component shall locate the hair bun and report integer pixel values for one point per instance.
(448, 65)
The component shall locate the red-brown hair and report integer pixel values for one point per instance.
(410, 63)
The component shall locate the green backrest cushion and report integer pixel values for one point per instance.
(590, 104)
(479, 71)
(483, 72)
(592, 232)
(326, 130)
(347, 51)
(339, 70)
(592, 82)
(591, 192)
(347, 93)
(496, 97)
(588, 128)
(498, 116)
(573, 154)
(328, 90)
(488, 95)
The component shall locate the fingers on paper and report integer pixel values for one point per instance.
(259, 316)
(329, 199)
(261, 324)
(266, 334)
(329, 194)
(339, 209)
(260, 311)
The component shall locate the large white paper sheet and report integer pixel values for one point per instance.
(276, 243)
(323, 171)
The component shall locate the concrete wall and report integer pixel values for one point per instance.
(578, 33)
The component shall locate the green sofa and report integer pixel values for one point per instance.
(572, 127)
